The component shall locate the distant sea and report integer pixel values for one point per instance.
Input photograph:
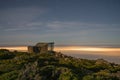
(89, 55)
(111, 54)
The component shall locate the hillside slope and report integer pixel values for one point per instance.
(54, 66)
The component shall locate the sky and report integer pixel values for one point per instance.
(66, 22)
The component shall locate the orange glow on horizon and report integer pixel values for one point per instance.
(19, 48)
(69, 48)
(86, 49)
(90, 50)
(80, 49)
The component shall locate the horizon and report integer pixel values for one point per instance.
(111, 51)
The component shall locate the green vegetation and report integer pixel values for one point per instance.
(54, 66)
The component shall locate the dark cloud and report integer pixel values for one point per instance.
(23, 3)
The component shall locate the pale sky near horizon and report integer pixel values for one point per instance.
(69, 22)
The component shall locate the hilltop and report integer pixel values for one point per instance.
(54, 66)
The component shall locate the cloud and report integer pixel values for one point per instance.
(21, 29)
(58, 25)
(26, 27)
(21, 14)
(26, 18)
(59, 28)
(69, 32)
(18, 18)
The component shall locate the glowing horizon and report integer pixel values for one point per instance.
(77, 48)
(90, 50)
(19, 48)
(72, 48)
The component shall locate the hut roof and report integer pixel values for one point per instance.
(41, 44)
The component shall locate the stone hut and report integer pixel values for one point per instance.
(41, 48)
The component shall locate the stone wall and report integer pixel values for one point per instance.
(40, 48)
